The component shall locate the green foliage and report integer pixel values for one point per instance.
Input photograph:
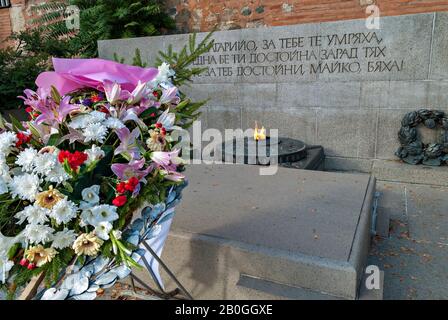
(21, 64)
(187, 111)
(182, 60)
(100, 20)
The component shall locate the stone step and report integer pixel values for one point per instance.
(402, 172)
(301, 228)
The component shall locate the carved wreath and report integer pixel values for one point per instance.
(412, 149)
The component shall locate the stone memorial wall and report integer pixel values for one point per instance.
(338, 84)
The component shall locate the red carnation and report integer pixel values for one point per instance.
(75, 159)
(22, 138)
(132, 183)
(119, 201)
(158, 125)
(63, 154)
(121, 187)
(29, 109)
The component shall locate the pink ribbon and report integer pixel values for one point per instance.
(73, 74)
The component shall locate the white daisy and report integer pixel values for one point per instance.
(113, 123)
(93, 154)
(44, 163)
(25, 186)
(95, 132)
(57, 174)
(25, 159)
(63, 211)
(91, 194)
(102, 230)
(7, 140)
(63, 239)
(104, 212)
(34, 214)
(38, 233)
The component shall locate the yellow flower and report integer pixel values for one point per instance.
(48, 199)
(87, 244)
(40, 255)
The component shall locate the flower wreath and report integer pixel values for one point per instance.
(412, 149)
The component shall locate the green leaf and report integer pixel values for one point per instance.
(54, 140)
(16, 124)
(147, 113)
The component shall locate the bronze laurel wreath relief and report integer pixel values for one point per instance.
(412, 149)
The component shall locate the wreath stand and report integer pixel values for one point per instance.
(160, 293)
(179, 293)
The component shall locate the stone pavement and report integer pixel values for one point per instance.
(415, 256)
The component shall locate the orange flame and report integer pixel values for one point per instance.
(259, 134)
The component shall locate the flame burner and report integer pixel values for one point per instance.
(252, 151)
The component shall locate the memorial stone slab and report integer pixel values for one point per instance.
(340, 66)
(300, 228)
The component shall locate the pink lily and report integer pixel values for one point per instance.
(170, 96)
(166, 160)
(138, 93)
(36, 100)
(113, 92)
(125, 171)
(53, 112)
(173, 176)
(128, 145)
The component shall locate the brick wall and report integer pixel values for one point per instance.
(5, 26)
(203, 15)
(14, 19)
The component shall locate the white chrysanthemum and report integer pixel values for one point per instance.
(33, 214)
(102, 230)
(38, 233)
(57, 174)
(81, 121)
(25, 186)
(93, 154)
(25, 159)
(63, 239)
(7, 140)
(63, 211)
(97, 116)
(113, 123)
(44, 163)
(91, 194)
(104, 212)
(95, 132)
